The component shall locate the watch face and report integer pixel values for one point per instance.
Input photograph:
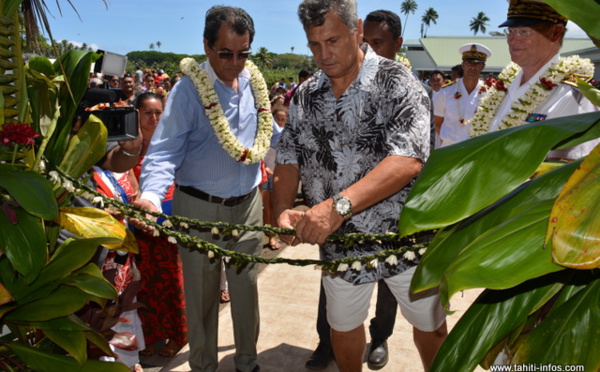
(343, 206)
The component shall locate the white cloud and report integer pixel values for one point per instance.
(79, 44)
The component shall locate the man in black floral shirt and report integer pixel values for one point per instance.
(357, 136)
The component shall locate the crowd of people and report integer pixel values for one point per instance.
(353, 136)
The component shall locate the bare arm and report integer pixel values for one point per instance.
(124, 156)
(438, 123)
(386, 179)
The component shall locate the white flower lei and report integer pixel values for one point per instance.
(219, 122)
(403, 60)
(537, 93)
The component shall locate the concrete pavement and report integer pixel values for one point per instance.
(288, 307)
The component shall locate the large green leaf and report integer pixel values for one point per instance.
(90, 280)
(32, 191)
(44, 362)
(70, 256)
(459, 180)
(85, 148)
(68, 333)
(492, 317)
(574, 227)
(73, 323)
(42, 93)
(504, 257)
(583, 12)
(63, 301)
(450, 242)
(23, 243)
(569, 335)
(76, 65)
(589, 91)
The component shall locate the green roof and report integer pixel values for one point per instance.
(441, 52)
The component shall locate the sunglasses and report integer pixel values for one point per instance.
(229, 55)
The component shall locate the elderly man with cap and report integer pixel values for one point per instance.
(456, 103)
(539, 84)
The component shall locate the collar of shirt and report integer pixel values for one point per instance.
(515, 90)
(212, 75)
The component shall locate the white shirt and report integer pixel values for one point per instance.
(565, 100)
(447, 106)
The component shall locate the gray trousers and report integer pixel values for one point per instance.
(202, 279)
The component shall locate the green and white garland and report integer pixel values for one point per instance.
(219, 122)
(537, 93)
(412, 247)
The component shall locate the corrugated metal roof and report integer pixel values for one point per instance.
(443, 51)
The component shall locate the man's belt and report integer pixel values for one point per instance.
(229, 202)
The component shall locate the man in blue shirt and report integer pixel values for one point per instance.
(212, 150)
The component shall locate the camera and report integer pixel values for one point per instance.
(120, 122)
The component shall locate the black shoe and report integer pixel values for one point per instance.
(320, 358)
(378, 356)
(256, 369)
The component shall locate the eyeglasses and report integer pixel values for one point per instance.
(521, 32)
(229, 55)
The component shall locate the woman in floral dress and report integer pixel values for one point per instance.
(163, 317)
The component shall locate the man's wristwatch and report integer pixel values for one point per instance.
(342, 206)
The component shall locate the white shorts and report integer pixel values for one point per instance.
(348, 304)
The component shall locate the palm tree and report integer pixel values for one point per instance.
(479, 23)
(158, 44)
(292, 48)
(151, 46)
(431, 15)
(263, 58)
(407, 7)
(35, 14)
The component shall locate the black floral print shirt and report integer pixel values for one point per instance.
(336, 142)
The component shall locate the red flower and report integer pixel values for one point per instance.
(20, 134)
(490, 82)
(547, 84)
(500, 86)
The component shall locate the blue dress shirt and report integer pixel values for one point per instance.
(184, 147)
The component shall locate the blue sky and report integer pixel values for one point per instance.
(128, 25)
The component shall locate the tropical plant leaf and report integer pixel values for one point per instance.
(70, 256)
(41, 65)
(76, 66)
(458, 181)
(449, 243)
(574, 227)
(45, 362)
(569, 335)
(72, 342)
(492, 317)
(5, 296)
(68, 333)
(93, 222)
(85, 148)
(589, 91)
(32, 191)
(23, 243)
(89, 279)
(504, 257)
(582, 12)
(64, 301)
